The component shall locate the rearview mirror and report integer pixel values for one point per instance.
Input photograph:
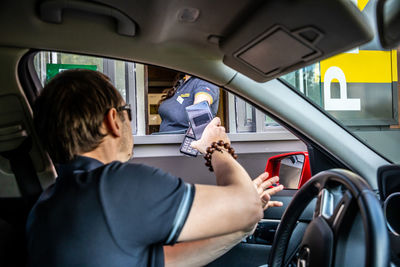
(293, 169)
(388, 20)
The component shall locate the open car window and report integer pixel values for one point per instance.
(255, 136)
(360, 89)
(143, 87)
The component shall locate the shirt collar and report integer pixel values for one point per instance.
(80, 163)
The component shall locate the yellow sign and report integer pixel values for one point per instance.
(361, 4)
(364, 66)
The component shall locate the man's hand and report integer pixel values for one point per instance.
(212, 133)
(263, 184)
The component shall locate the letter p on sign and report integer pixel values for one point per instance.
(342, 103)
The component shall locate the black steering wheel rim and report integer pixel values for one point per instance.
(377, 239)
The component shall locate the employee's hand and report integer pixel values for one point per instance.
(263, 184)
(212, 133)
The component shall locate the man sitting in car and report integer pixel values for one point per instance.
(106, 211)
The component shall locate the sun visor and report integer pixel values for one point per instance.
(283, 36)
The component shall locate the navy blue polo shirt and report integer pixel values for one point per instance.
(172, 110)
(118, 214)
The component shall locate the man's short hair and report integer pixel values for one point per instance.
(70, 110)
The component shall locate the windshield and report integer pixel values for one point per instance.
(360, 89)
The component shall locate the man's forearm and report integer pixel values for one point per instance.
(228, 171)
(201, 252)
(232, 206)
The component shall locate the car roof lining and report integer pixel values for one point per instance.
(162, 41)
(221, 29)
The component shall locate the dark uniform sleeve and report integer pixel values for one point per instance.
(203, 87)
(144, 205)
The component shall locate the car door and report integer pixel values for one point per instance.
(255, 249)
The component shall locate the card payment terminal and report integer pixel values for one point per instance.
(199, 116)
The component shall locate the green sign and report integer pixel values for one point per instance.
(53, 69)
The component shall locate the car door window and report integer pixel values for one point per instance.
(150, 83)
(254, 134)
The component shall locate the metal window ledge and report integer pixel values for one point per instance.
(244, 143)
(235, 137)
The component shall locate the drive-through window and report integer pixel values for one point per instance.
(142, 86)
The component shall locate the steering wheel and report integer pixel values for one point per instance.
(341, 195)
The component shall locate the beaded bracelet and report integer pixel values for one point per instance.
(217, 146)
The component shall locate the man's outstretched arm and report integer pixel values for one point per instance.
(202, 252)
(230, 206)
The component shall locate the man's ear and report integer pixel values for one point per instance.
(112, 122)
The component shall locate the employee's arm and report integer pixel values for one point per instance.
(200, 97)
(202, 252)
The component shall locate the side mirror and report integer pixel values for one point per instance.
(293, 168)
(388, 21)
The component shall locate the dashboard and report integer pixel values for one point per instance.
(389, 190)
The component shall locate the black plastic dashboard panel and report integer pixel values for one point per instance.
(389, 191)
(271, 44)
(286, 196)
(388, 180)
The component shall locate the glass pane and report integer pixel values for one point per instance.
(48, 64)
(248, 115)
(120, 77)
(308, 81)
(122, 74)
(360, 89)
(245, 118)
(268, 122)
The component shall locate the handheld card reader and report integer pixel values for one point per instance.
(199, 116)
(186, 147)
